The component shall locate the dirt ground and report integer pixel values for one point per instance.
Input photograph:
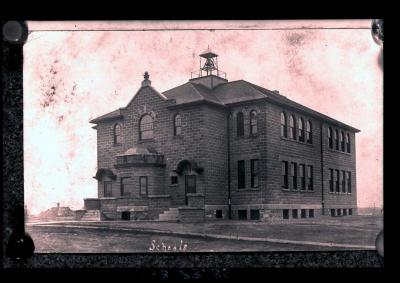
(128, 236)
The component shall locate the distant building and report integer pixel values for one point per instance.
(213, 149)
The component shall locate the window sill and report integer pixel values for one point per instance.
(297, 191)
(339, 151)
(117, 144)
(247, 189)
(297, 141)
(340, 193)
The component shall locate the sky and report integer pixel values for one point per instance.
(74, 72)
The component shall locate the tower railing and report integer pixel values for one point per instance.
(202, 73)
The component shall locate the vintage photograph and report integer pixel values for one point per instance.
(203, 136)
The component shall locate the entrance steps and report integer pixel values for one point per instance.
(171, 214)
(91, 215)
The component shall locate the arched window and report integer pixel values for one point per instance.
(117, 134)
(177, 125)
(240, 124)
(283, 125)
(348, 142)
(292, 127)
(301, 129)
(330, 138)
(253, 122)
(342, 147)
(336, 137)
(146, 127)
(309, 131)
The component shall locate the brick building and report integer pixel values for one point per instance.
(211, 148)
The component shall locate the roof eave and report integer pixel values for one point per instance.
(107, 119)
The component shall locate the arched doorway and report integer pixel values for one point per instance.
(188, 169)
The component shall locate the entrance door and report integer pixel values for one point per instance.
(190, 186)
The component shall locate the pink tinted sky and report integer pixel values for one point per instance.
(71, 77)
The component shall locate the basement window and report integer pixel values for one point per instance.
(254, 214)
(285, 213)
(218, 214)
(242, 214)
(344, 211)
(294, 214)
(333, 212)
(311, 213)
(303, 213)
(339, 212)
(126, 215)
(350, 211)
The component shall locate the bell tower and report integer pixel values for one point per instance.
(209, 73)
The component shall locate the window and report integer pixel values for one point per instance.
(123, 187)
(174, 180)
(301, 129)
(107, 189)
(254, 173)
(331, 181)
(342, 142)
(126, 215)
(349, 182)
(343, 180)
(350, 211)
(302, 169)
(293, 168)
(348, 142)
(336, 139)
(292, 127)
(218, 214)
(146, 127)
(283, 125)
(310, 176)
(311, 213)
(240, 124)
(285, 179)
(303, 213)
(339, 212)
(285, 214)
(241, 174)
(344, 212)
(253, 122)
(333, 212)
(309, 132)
(117, 134)
(330, 138)
(177, 125)
(254, 214)
(337, 181)
(143, 185)
(242, 214)
(294, 213)
(190, 182)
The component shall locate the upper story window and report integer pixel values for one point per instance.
(348, 142)
(117, 134)
(240, 124)
(330, 138)
(146, 127)
(177, 125)
(342, 148)
(253, 122)
(292, 127)
(107, 189)
(283, 125)
(336, 138)
(301, 129)
(309, 132)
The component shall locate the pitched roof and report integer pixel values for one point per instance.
(109, 116)
(226, 94)
(190, 92)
